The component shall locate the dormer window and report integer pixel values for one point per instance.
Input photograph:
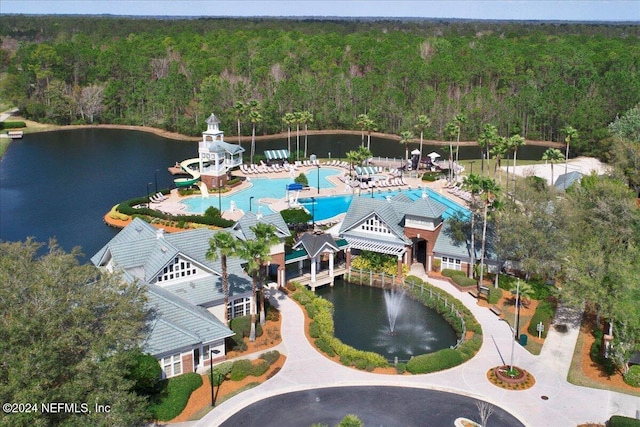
(177, 269)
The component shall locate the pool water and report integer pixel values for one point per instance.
(327, 207)
(262, 187)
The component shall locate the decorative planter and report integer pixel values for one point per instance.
(465, 422)
(501, 373)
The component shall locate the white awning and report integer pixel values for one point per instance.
(376, 246)
(276, 154)
(366, 170)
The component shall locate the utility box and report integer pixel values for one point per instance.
(523, 340)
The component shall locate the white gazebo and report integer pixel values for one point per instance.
(217, 157)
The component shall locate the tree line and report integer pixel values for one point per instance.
(526, 79)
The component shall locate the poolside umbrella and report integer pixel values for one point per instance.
(365, 170)
(433, 155)
(415, 152)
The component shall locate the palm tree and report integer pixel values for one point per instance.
(472, 183)
(297, 115)
(570, 134)
(255, 252)
(223, 244)
(265, 233)
(370, 126)
(241, 109)
(288, 120)
(406, 137)
(459, 120)
(422, 124)
(450, 129)
(306, 118)
(498, 151)
(353, 158)
(552, 155)
(490, 191)
(486, 139)
(361, 122)
(449, 151)
(514, 143)
(255, 117)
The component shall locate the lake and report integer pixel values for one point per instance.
(60, 184)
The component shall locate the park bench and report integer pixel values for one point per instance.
(495, 309)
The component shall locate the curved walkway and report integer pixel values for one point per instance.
(565, 404)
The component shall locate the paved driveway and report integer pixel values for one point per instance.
(375, 406)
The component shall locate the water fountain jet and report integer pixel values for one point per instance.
(393, 301)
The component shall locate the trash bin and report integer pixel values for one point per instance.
(523, 340)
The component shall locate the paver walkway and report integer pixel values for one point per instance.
(565, 404)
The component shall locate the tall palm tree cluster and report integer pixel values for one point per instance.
(255, 253)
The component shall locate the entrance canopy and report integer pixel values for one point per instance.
(366, 170)
(376, 246)
(276, 154)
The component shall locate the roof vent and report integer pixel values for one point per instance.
(160, 233)
(259, 214)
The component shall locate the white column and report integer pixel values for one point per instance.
(300, 265)
(330, 264)
(313, 269)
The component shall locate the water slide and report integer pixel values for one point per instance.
(195, 173)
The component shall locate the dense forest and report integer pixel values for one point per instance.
(532, 79)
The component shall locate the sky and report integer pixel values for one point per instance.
(544, 10)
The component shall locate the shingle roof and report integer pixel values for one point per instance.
(242, 228)
(316, 243)
(179, 324)
(446, 246)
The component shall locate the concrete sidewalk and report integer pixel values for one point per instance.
(551, 401)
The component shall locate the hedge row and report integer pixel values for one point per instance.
(620, 421)
(178, 390)
(12, 125)
(322, 329)
(127, 208)
(419, 290)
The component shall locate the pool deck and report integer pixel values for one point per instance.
(173, 205)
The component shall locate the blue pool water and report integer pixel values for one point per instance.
(262, 187)
(328, 207)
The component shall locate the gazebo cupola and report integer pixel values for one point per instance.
(216, 156)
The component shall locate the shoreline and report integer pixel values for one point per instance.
(35, 127)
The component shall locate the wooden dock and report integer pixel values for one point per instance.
(322, 278)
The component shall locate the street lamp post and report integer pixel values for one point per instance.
(250, 199)
(148, 193)
(513, 342)
(313, 212)
(471, 162)
(213, 398)
(219, 199)
(318, 166)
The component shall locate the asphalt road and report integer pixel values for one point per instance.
(375, 406)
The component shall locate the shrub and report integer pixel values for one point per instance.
(436, 264)
(447, 272)
(350, 420)
(301, 179)
(632, 377)
(12, 125)
(324, 346)
(259, 368)
(240, 370)
(175, 397)
(463, 281)
(401, 368)
(221, 371)
(271, 356)
(433, 362)
(620, 421)
(494, 295)
(145, 372)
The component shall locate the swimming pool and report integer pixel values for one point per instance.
(262, 187)
(328, 207)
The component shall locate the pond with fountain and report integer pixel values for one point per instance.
(386, 321)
